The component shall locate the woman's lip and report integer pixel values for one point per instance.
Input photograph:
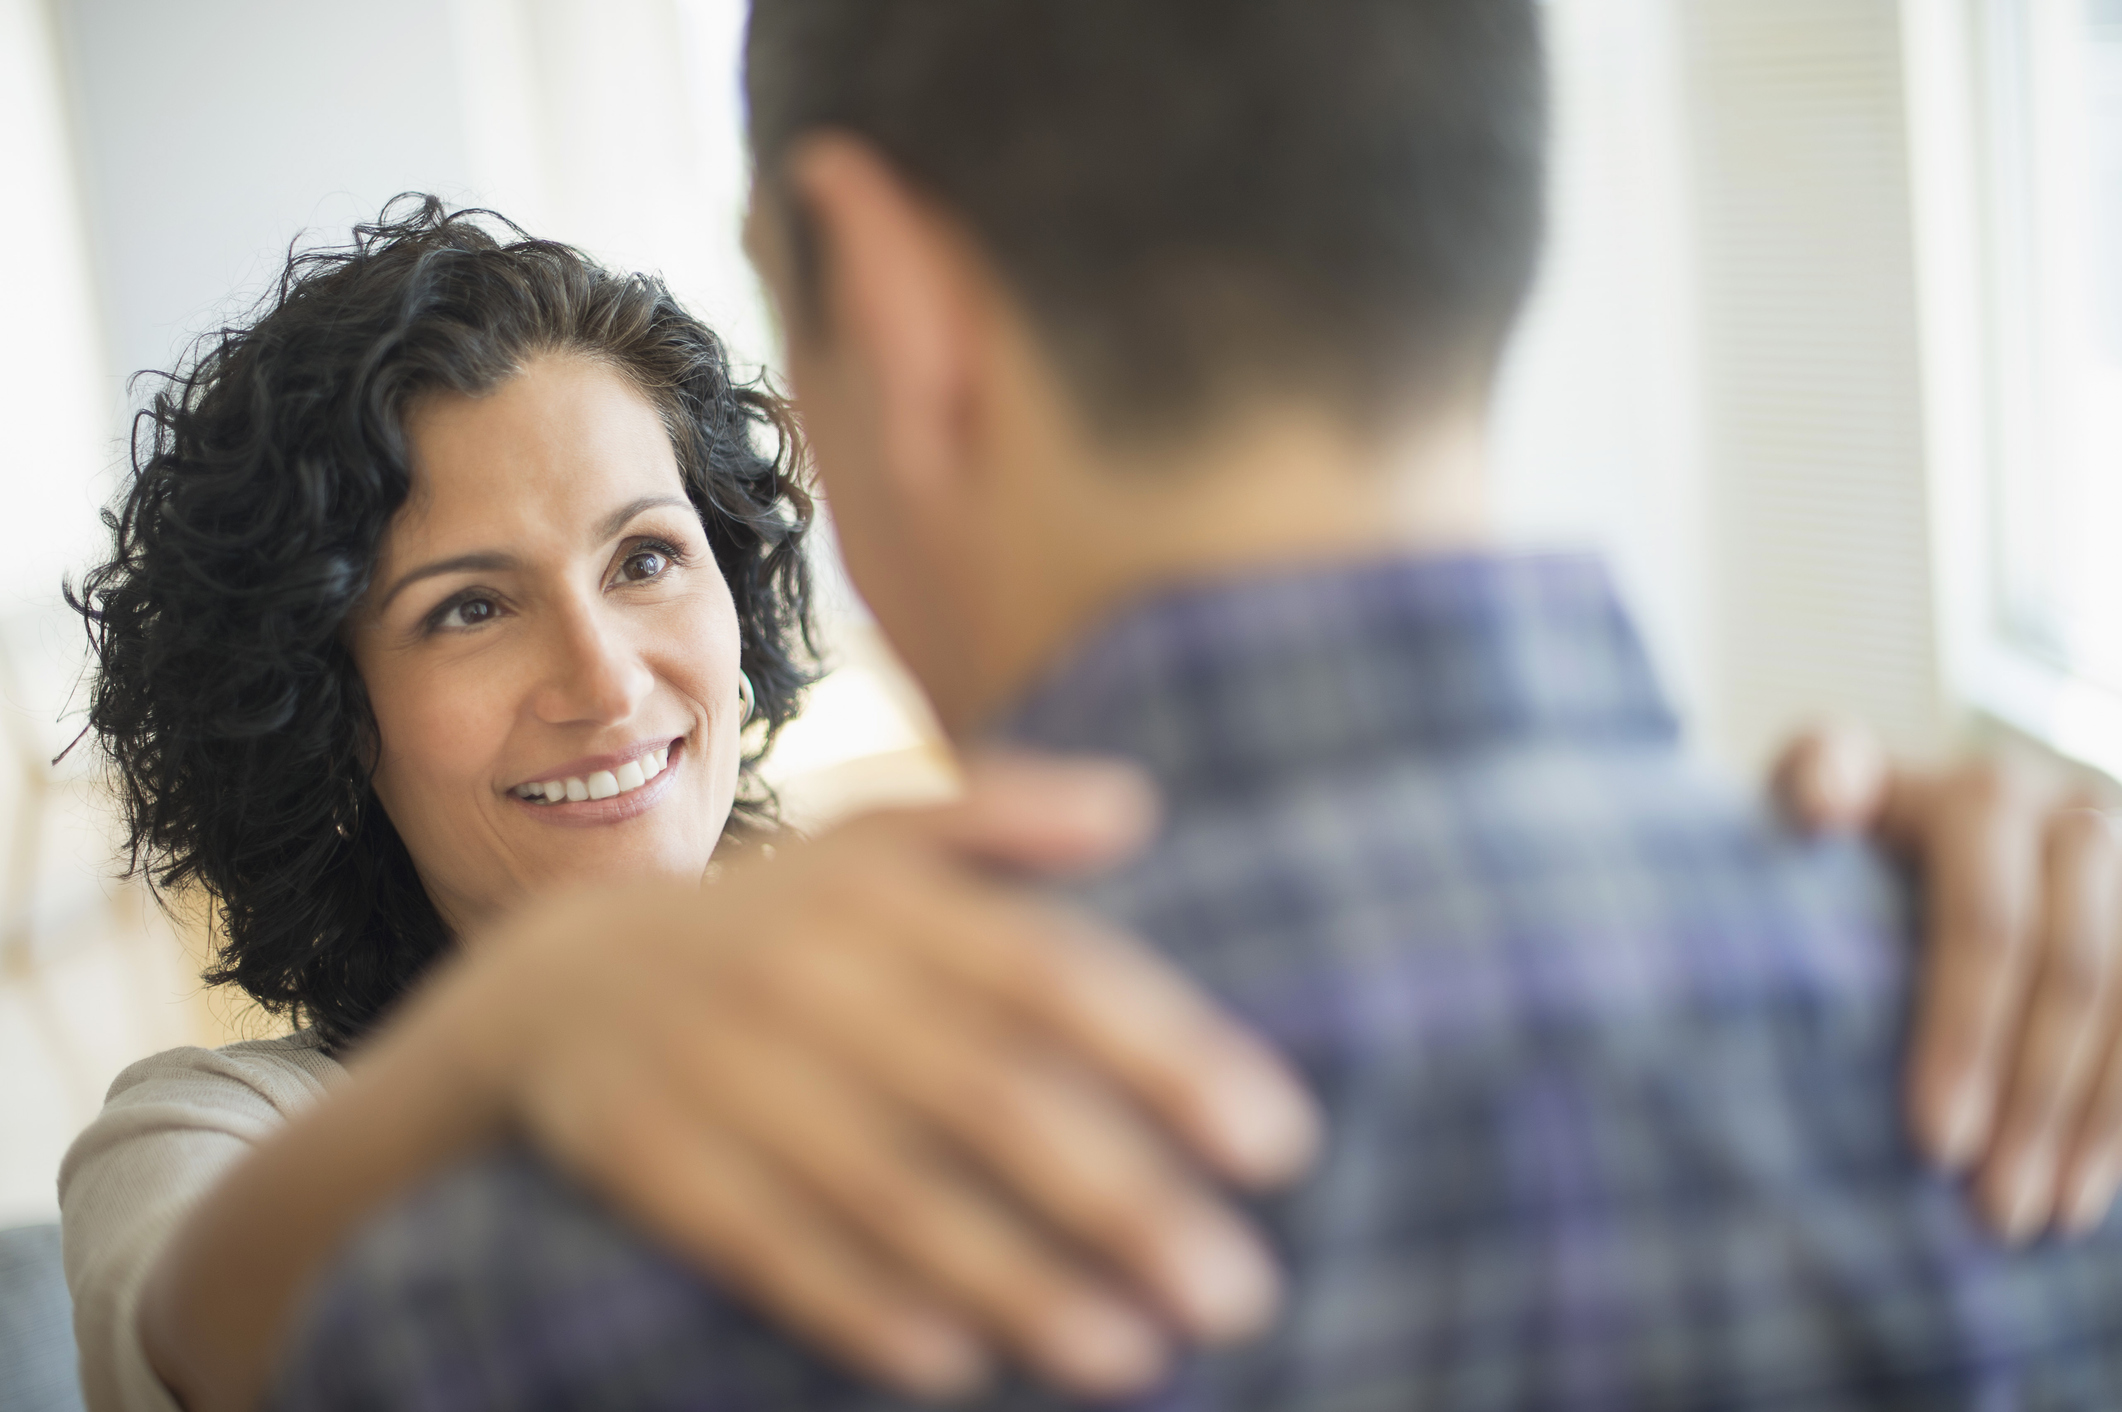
(588, 765)
(596, 813)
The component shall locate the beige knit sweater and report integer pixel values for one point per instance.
(170, 1127)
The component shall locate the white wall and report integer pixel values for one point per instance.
(52, 393)
(616, 125)
(78, 995)
(214, 131)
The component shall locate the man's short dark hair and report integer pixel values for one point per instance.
(1198, 196)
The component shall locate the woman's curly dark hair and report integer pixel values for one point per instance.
(265, 472)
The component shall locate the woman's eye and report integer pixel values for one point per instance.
(467, 613)
(643, 565)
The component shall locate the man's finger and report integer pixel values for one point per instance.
(1979, 856)
(2066, 1028)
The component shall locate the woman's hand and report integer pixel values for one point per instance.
(2016, 1070)
(913, 1114)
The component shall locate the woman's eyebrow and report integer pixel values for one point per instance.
(486, 563)
(619, 519)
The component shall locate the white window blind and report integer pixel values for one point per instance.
(1811, 365)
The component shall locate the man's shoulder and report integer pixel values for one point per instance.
(1565, 884)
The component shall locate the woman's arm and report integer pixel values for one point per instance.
(214, 1305)
(172, 1127)
(2015, 1063)
(793, 1078)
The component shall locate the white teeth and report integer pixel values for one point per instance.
(604, 784)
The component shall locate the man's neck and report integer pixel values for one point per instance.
(1278, 490)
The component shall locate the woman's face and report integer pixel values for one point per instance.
(549, 648)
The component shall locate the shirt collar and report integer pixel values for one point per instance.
(1213, 682)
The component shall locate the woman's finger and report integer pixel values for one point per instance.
(1834, 775)
(870, 1169)
(2066, 1029)
(885, 878)
(1063, 1144)
(1039, 814)
(1978, 843)
(1131, 1017)
(710, 1198)
(2092, 1169)
(2092, 1163)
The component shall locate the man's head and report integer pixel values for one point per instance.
(1174, 217)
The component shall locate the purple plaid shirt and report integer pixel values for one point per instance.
(1610, 1061)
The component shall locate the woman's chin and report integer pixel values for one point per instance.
(663, 860)
(669, 841)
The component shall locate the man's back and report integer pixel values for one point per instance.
(1609, 1062)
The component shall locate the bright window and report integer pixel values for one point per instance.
(2056, 129)
(2041, 641)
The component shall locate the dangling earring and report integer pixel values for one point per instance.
(746, 698)
(347, 822)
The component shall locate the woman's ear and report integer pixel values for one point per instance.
(892, 301)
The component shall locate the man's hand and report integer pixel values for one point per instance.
(911, 1113)
(2016, 1070)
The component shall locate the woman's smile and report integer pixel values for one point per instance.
(604, 789)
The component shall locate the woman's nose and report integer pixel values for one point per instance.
(593, 675)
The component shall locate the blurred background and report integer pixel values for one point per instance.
(1828, 359)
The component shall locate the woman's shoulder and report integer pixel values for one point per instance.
(284, 1074)
(195, 1106)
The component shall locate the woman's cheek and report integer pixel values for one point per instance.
(705, 669)
(439, 734)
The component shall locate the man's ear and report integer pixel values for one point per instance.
(891, 299)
